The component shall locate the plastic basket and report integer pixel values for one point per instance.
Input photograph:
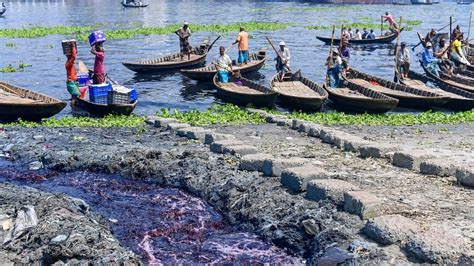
(114, 97)
(98, 93)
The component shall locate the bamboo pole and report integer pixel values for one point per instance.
(469, 29)
(330, 54)
(396, 49)
(450, 27)
(381, 25)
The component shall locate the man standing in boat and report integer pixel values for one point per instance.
(391, 22)
(223, 65)
(403, 60)
(184, 33)
(71, 74)
(99, 68)
(243, 41)
(334, 64)
(283, 60)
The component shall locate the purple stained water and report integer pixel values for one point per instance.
(163, 225)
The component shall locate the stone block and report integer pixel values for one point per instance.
(355, 143)
(314, 131)
(305, 127)
(254, 162)
(163, 122)
(182, 132)
(274, 167)
(465, 176)
(150, 120)
(332, 189)
(176, 126)
(283, 122)
(340, 138)
(296, 123)
(390, 229)
(439, 167)
(410, 159)
(239, 149)
(213, 137)
(327, 136)
(375, 150)
(197, 133)
(274, 118)
(218, 146)
(437, 245)
(296, 178)
(362, 203)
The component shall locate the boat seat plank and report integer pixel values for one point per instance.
(349, 92)
(11, 98)
(239, 88)
(382, 89)
(295, 88)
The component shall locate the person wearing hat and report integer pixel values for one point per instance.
(403, 60)
(184, 33)
(283, 60)
(429, 61)
(243, 41)
(335, 67)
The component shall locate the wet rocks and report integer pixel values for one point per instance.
(362, 203)
(389, 229)
(36, 165)
(163, 122)
(296, 178)
(332, 189)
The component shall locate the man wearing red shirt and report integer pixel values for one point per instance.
(388, 18)
(71, 83)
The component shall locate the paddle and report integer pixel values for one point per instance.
(438, 30)
(230, 47)
(274, 49)
(330, 53)
(397, 74)
(212, 44)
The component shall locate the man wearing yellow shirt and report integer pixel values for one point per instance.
(243, 41)
(457, 53)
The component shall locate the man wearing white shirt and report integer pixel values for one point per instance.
(223, 64)
(283, 59)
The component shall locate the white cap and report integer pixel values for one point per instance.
(186, 23)
(428, 44)
(334, 50)
(282, 43)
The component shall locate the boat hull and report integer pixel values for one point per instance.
(104, 110)
(9, 112)
(380, 40)
(142, 68)
(243, 99)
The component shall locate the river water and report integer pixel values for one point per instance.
(162, 225)
(172, 90)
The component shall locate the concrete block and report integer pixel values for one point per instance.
(296, 178)
(176, 126)
(437, 245)
(355, 143)
(274, 118)
(465, 176)
(439, 167)
(296, 123)
(362, 203)
(305, 127)
(163, 122)
(332, 189)
(314, 131)
(375, 150)
(182, 132)
(218, 146)
(327, 135)
(339, 138)
(390, 229)
(239, 149)
(254, 162)
(150, 120)
(274, 167)
(197, 133)
(410, 159)
(283, 122)
(212, 137)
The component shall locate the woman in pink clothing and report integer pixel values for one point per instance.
(99, 69)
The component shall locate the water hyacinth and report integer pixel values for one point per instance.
(68, 121)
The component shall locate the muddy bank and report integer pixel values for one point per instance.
(256, 203)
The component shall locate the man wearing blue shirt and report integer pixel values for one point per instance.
(429, 60)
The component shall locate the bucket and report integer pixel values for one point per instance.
(223, 76)
(83, 91)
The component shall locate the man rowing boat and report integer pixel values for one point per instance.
(283, 60)
(243, 41)
(391, 22)
(184, 33)
(429, 61)
(335, 67)
(403, 60)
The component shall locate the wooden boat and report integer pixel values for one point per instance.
(21, 103)
(2, 11)
(134, 5)
(407, 96)
(247, 92)
(447, 79)
(299, 92)
(421, 2)
(105, 109)
(458, 99)
(379, 40)
(354, 98)
(466, 73)
(169, 62)
(463, 2)
(207, 73)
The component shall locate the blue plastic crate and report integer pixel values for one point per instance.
(96, 36)
(98, 93)
(83, 79)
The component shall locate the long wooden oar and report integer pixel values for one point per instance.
(330, 53)
(469, 29)
(212, 44)
(397, 74)
(230, 47)
(274, 49)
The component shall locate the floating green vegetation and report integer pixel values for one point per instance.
(68, 121)
(11, 69)
(407, 25)
(324, 8)
(10, 44)
(218, 114)
(257, 10)
(82, 32)
(408, 119)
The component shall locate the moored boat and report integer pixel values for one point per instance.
(299, 92)
(407, 96)
(242, 91)
(447, 79)
(379, 40)
(354, 98)
(105, 109)
(133, 4)
(458, 99)
(173, 61)
(16, 102)
(206, 73)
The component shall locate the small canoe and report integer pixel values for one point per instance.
(459, 100)
(379, 40)
(169, 62)
(299, 92)
(242, 91)
(447, 79)
(206, 73)
(134, 5)
(28, 105)
(407, 96)
(354, 98)
(105, 109)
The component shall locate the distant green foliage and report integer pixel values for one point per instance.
(82, 32)
(10, 44)
(68, 121)
(12, 69)
(218, 114)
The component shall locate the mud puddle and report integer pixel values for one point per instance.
(162, 225)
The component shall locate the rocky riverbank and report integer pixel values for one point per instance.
(314, 230)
